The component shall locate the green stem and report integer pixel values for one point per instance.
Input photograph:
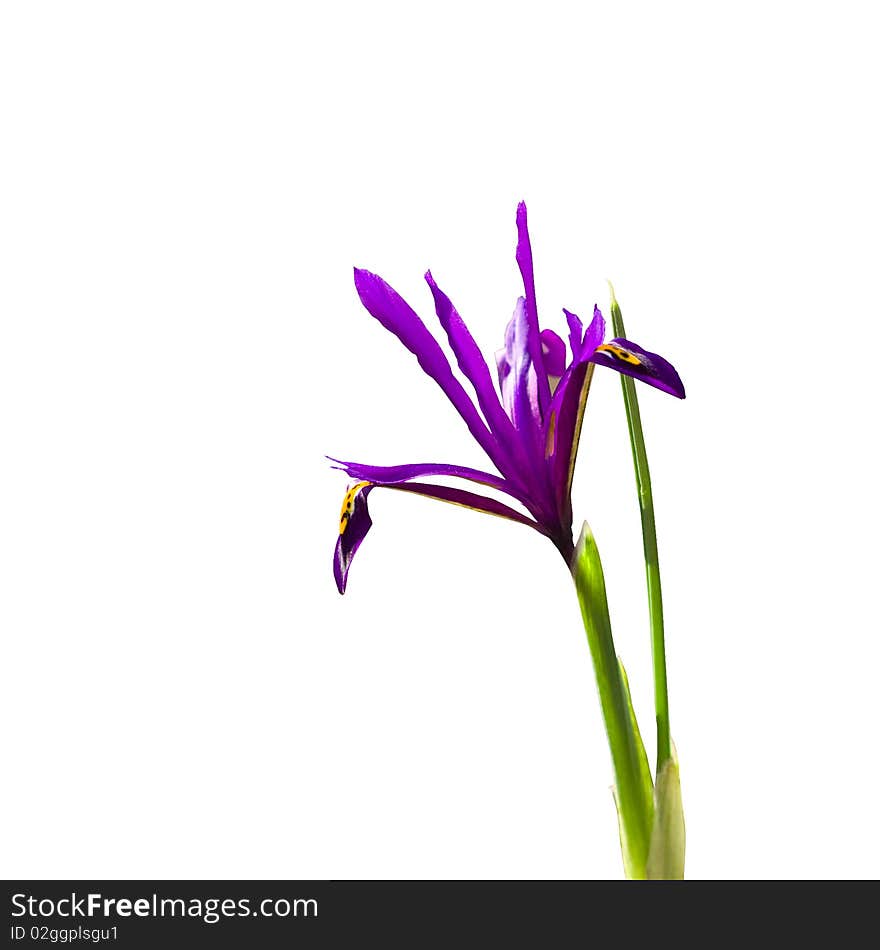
(649, 537)
(633, 786)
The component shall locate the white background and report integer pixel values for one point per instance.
(185, 188)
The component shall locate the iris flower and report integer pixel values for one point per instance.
(528, 427)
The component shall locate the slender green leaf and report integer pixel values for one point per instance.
(645, 777)
(633, 791)
(649, 538)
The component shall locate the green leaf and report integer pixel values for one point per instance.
(645, 780)
(649, 539)
(666, 854)
(633, 791)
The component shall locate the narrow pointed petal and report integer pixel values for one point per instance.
(630, 359)
(468, 499)
(567, 409)
(575, 332)
(566, 415)
(595, 332)
(354, 524)
(396, 315)
(393, 474)
(568, 393)
(473, 364)
(532, 340)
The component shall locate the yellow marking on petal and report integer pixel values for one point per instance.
(619, 353)
(348, 505)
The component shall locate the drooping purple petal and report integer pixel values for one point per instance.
(630, 359)
(355, 519)
(393, 474)
(531, 333)
(468, 499)
(354, 523)
(396, 315)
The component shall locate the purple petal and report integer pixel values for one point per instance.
(630, 359)
(576, 332)
(516, 373)
(468, 499)
(519, 385)
(567, 409)
(396, 315)
(595, 332)
(566, 417)
(393, 474)
(354, 524)
(553, 354)
(473, 364)
(532, 341)
(567, 394)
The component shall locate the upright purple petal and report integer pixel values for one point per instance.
(630, 359)
(503, 359)
(519, 386)
(532, 340)
(575, 332)
(567, 409)
(566, 418)
(396, 315)
(519, 394)
(473, 364)
(595, 332)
